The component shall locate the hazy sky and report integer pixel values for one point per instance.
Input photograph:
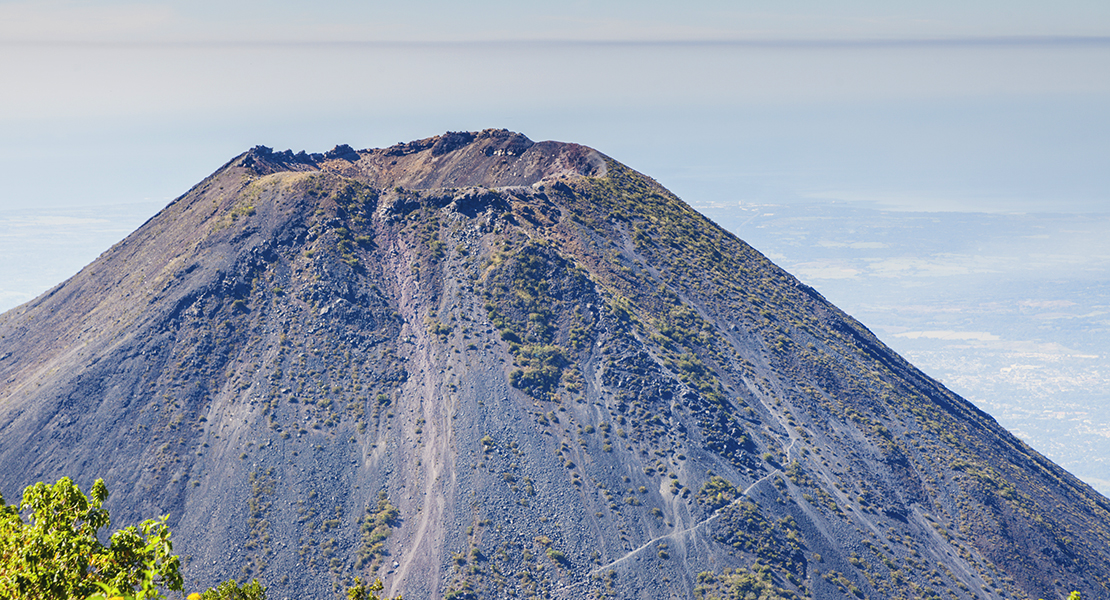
(945, 104)
(437, 20)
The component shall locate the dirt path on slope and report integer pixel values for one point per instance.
(427, 494)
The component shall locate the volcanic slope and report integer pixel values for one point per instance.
(481, 367)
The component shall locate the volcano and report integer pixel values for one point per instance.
(475, 366)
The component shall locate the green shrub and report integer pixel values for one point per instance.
(230, 590)
(56, 555)
(556, 556)
(359, 591)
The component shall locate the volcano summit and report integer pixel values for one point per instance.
(481, 367)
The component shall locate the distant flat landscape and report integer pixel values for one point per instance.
(1010, 311)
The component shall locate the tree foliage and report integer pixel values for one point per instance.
(230, 590)
(55, 553)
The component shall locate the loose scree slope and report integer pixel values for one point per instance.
(477, 366)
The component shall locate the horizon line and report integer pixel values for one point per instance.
(1002, 40)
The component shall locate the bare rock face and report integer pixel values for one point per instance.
(478, 366)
